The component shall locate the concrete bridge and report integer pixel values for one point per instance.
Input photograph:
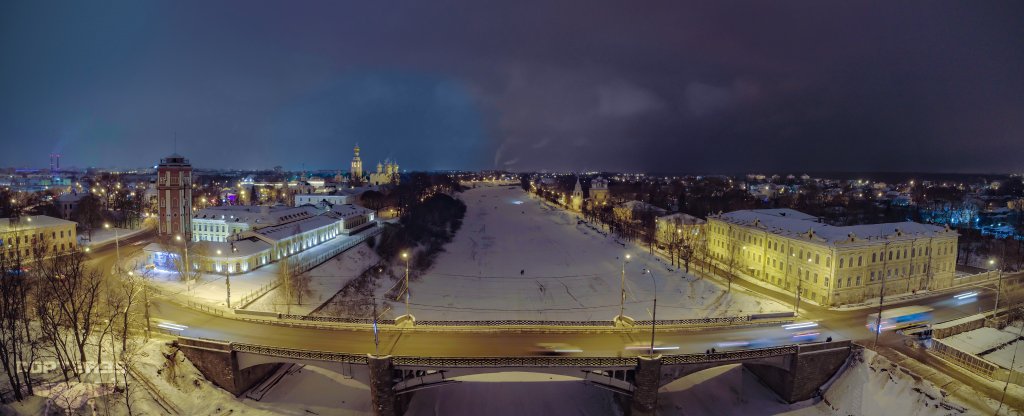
(794, 372)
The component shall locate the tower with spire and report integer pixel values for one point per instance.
(577, 196)
(356, 172)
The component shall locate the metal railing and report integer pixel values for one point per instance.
(256, 293)
(526, 361)
(300, 354)
(975, 364)
(728, 355)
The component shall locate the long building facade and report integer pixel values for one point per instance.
(29, 235)
(832, 265)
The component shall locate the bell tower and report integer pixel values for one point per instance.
(357, 165)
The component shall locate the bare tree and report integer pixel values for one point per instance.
(188, 260)
(688, 246)
(14, 333)
(294, 286)
(73, 291)
(732, 261)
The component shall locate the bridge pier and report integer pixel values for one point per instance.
(382, 386)
(648, 380)
(809, 369)
(219, 363)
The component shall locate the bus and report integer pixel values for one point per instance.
(900, 318)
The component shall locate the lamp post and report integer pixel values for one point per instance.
(622, 286)
(999, 285)
(405, 255)
(654, 309)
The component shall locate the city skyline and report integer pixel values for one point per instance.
(673, 88)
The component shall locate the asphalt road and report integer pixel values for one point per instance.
(837, 324)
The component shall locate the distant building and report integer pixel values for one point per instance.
(24, 235)
(174, 187)
(833, 265)
(356, 171)
(67, 203)
(340, 196)
(387, 173)
(576, 201)
(237, 239)
(221, 223)
(599, 191)
(632, 210)
(669, 229)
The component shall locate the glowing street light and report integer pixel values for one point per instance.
(622, 285)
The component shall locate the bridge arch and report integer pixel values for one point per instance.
(347, 369)
(673, 372)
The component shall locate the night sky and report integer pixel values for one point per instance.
(926, 86)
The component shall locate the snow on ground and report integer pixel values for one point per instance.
(979, 340)
(211, 287)
(324, 281)
(1004, 356)
(311, 390)
(515, 257)
(870, 386)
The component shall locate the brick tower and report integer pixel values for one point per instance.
(174, 185)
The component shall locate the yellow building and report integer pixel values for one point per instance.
(833, 265)
(21, 235)
(598, 192)
(576, 200)
(386, 174)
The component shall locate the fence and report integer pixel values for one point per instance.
(971, 362)
(256, 293)
(948, 329)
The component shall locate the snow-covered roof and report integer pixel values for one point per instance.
(349, 210)
(71, 196)
(285, 231)
(257, 215)
(794, 223)
(29, 222)
(681, 218)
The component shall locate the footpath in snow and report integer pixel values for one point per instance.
(517, 258)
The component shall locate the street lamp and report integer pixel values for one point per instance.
(405, 256)
(654, 310)
(622, 286)
(227, 275)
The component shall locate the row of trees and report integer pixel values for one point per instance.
(55, 307)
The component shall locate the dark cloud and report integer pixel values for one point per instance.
(662, 86)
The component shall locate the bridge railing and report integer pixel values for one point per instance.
(534, 361)
(449, 362)
(728, 355)
(300, 354)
